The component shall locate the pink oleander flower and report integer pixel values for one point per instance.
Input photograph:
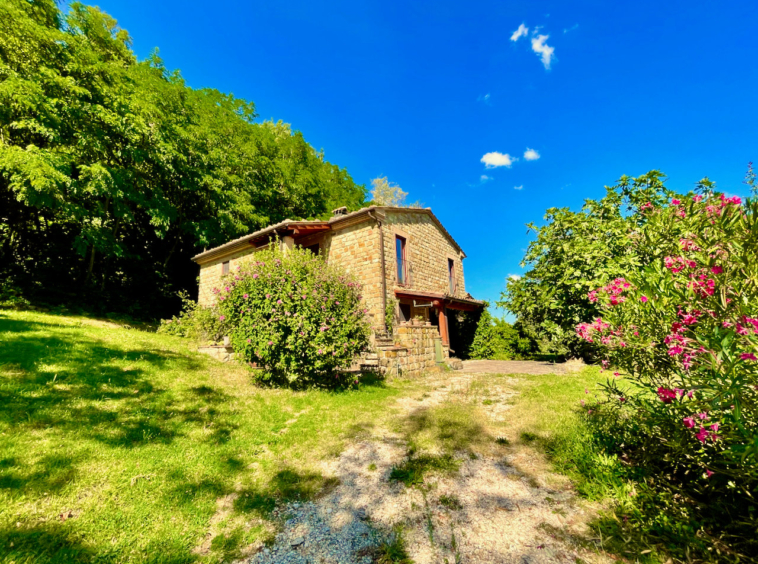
(708, 473)
(702, 435)
(748, 356)
(221, 317)
(666, 395)
(689, 422)
(715, 427)
(702, 415)
(643, 299)
(717, 269)
(268, 296)
(255, 275)
(245, 296)
(279, 301)
(248, 341)
(675, 202)
(697, 198)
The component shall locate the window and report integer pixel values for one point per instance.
(402, 273)
(225, 268)
(451, 274)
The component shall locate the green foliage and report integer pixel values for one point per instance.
(685, 330)
(386, 193)
(294, 315)
(462, 326)
(113, 172)
(194, 322)
(11, 297)
(483, 345)
(497, 339)
(389, 315)
(575, 252)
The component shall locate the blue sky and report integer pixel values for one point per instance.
(421, 92)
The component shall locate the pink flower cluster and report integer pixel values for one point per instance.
(703, 285)
(614, 290)
(666, 395)
(677, 264)
(703, 434)
(586, 330)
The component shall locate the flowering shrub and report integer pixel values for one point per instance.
(293, 315)
(685, 331)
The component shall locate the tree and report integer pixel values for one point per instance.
(385, 193)
(113, 172)
(576, 252)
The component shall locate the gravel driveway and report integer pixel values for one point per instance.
(501, 514)
(520, 367)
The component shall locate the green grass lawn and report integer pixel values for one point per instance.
(118, 445)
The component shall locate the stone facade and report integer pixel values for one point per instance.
(427, 250)
(354, 241)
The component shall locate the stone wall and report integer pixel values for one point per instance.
(413, 353)
(356, 249)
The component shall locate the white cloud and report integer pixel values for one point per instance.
(543, 49)
(531, 155)
(514, 277)
(484, 99)
(495, 159)
(520, 32)
(518, 187)
(485, 178)
(572, 28)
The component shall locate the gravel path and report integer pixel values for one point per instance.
(520, 367)
(489, 511)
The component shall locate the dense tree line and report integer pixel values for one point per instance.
(113, 172)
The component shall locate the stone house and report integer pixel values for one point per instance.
(404, 259)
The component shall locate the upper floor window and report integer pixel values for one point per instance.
(451, 274)
(225, 268)
(402, 265)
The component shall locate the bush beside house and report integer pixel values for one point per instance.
(293, 315)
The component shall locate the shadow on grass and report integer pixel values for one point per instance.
(54, 379)
(51, 543)
(436, 438)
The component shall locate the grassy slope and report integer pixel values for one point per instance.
(118, 445)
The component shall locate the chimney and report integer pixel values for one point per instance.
(339, 211)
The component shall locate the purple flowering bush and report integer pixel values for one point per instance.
(684, 331)
(295, 316)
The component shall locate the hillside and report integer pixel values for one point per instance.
(120, 445)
